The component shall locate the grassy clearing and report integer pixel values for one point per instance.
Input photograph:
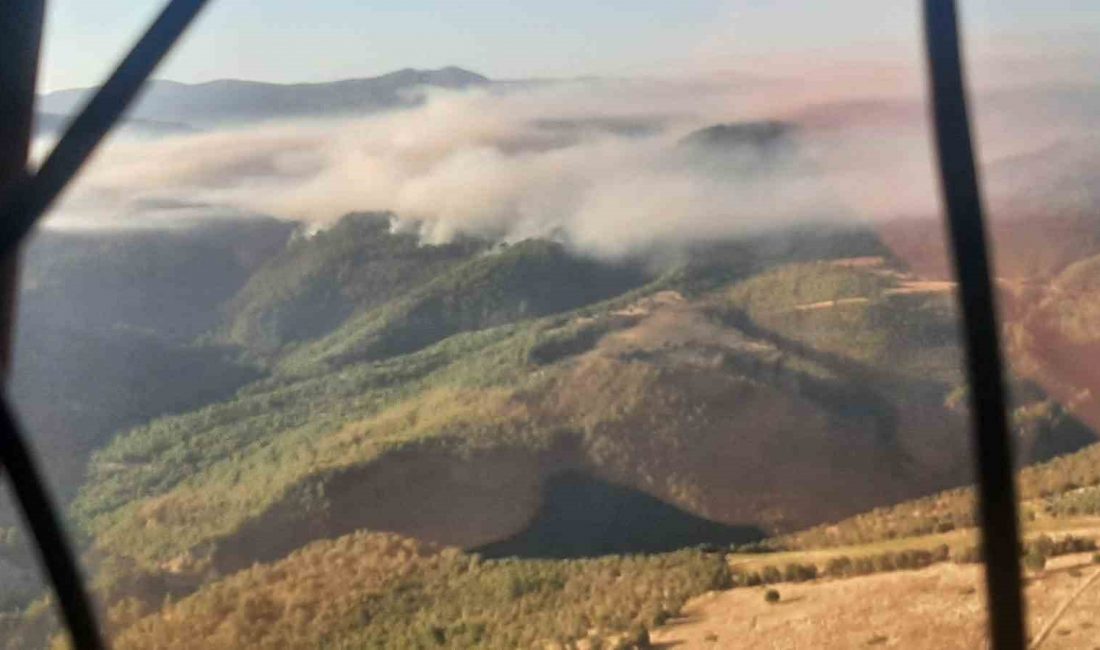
(940, 607)
(851, 313)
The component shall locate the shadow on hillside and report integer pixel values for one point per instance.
(581, 516)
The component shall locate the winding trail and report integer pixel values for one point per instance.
(1057, 615)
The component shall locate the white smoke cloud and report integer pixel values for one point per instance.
(596, 164)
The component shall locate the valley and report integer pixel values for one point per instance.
(519, 402)
(454, 410)
(512, 420)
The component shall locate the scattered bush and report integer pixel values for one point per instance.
(771, 596)
(1033, 553)
(1069, 485)
(709, 548)
(1035, 562)
(799, 572)
(1042, 545)
(1073, 544)
(862, 566)
(763, 546)
(1047, 547)
(885, 562)
(637, 639)
(921, 558)
(753, 579)
(839, 567)
(771, 575)
(967, 555)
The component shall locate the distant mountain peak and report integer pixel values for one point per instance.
(236, 100)
(447, 76)
(461, 72)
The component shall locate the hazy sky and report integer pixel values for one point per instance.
(294, 40)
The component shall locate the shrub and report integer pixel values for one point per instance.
(764, 546)
(921, 558)
(771, 596)
(709, 548)
(967, 555)
(839, 567)
(723, 579)
(637, 638)
(799, 572)
(1083, 544)
(862, 566)
(1035, 561)
(1096, 558)
(771, 575)
(1047, 547)
(885, 561)
(941, 553)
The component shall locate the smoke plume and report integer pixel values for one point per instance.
(601, 165)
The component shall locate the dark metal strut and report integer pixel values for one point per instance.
(20, 40)
(26, 205)
(42, 518)
(23, 201)
(993, 446)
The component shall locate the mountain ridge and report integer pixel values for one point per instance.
(231, 101)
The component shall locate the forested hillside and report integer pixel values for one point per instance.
(477, 395)
(239, 402)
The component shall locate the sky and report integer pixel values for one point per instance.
(291, 40)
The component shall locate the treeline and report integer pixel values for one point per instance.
(1034, 554)
(1084, 501)
(1065, 486)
